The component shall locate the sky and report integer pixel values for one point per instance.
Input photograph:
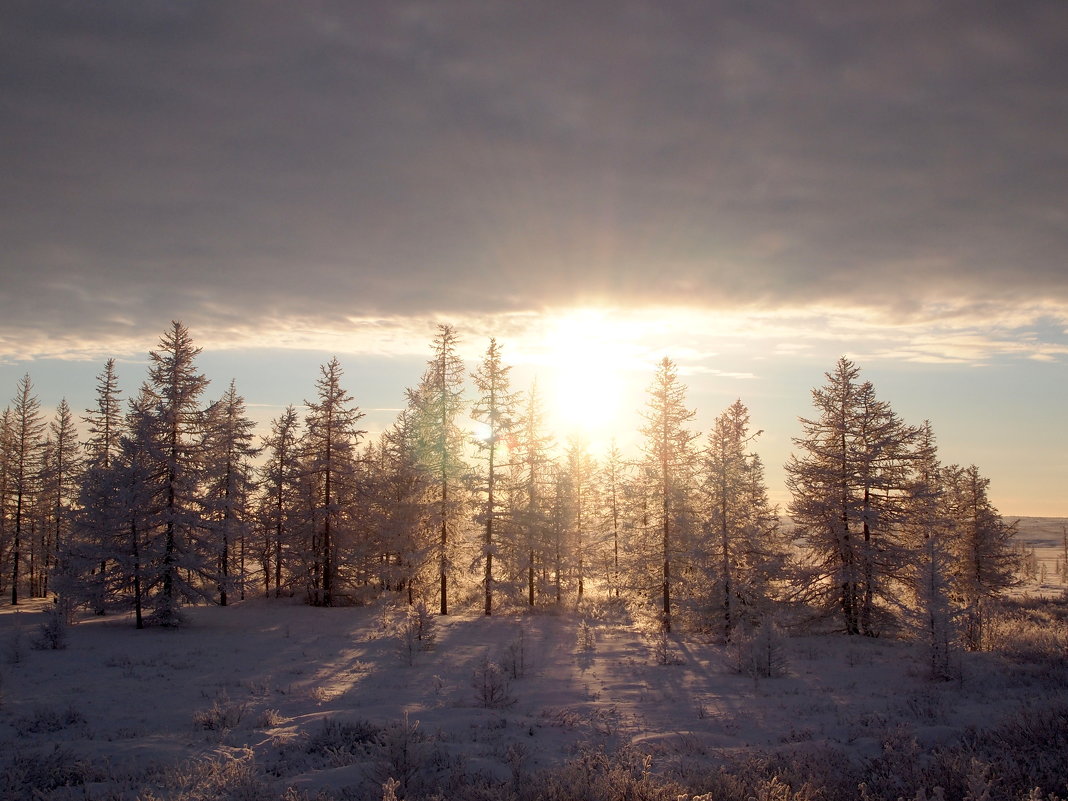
(752, 189)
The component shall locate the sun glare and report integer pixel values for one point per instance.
(587, 389)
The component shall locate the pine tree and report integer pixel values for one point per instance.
(670, 459)
(91, 529)
(582, 484)
(329, 449)
(927, 530)
(229, 482)
(533, 466)
(279, 475)
(742, 527)
(981, 543)
(848, 489)
(61, 478)
(176, 387)
(495, 409)
(132, 513)
(27, 426)
(7, 452)
(105, 424)
(613, 484)
(440, 397)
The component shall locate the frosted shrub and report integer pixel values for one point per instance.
(663, 652)
(232, 777)
(38, 774)
(47, 720)
(587, 637)
(222, 715)
(15, 645)
(491, 685)
(398, 752)
(52, 634)
(416, 632)
(758, 653)
(343, 741)
(514, 660)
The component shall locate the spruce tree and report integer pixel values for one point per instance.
(329, 451)
(533, 478)
(744, 545)
(279, 476)
(229, 483)
(92, 533)
(440, 397)
(27, 426)
(849, 486)
(61, 479)
(670, 460)
(495, 408)
(984, 563)
(176, 386)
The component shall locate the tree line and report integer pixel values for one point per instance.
(169, 499)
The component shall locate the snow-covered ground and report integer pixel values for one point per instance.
(331, 700)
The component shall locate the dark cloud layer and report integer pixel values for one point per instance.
(230, 160)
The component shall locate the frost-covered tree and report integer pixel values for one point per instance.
(329, 448)
(532, 477)
(495, 409)
(6, 486)
(88, 552)
(581, 471)
(927, 531)
(105, 422)
(404, 506)
(743, 548)
(440, 399)
(175, 385)
(24, 459)
(613, 479)
(60, 480)
(228, 483)
(984, 564)
(278, 475)
(130, 514)
(669, 457)
(848, 486)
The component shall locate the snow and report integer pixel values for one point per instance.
(266, 675)
(326, 699)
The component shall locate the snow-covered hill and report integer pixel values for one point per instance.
(332, 700)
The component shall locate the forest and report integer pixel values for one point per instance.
(170, 500)
(466, 608)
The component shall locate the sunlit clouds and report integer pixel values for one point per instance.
(752, 190)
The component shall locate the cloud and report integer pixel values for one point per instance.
(320, 172)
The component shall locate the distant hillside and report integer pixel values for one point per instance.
(1038, 532)
(1041, 532)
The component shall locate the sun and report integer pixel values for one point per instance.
(587, 361)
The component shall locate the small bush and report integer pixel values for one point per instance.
(398, 753)
(52, 634)
(587, 637)
(514, 660)
(269, 718)
(758, 653)
(416, 632)
(343, 739)
(663, 651)
(47, 720)
(15, 645)
(33, 775)
(491, 685)
(222, 715)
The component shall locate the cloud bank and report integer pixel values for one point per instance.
(289, 173)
